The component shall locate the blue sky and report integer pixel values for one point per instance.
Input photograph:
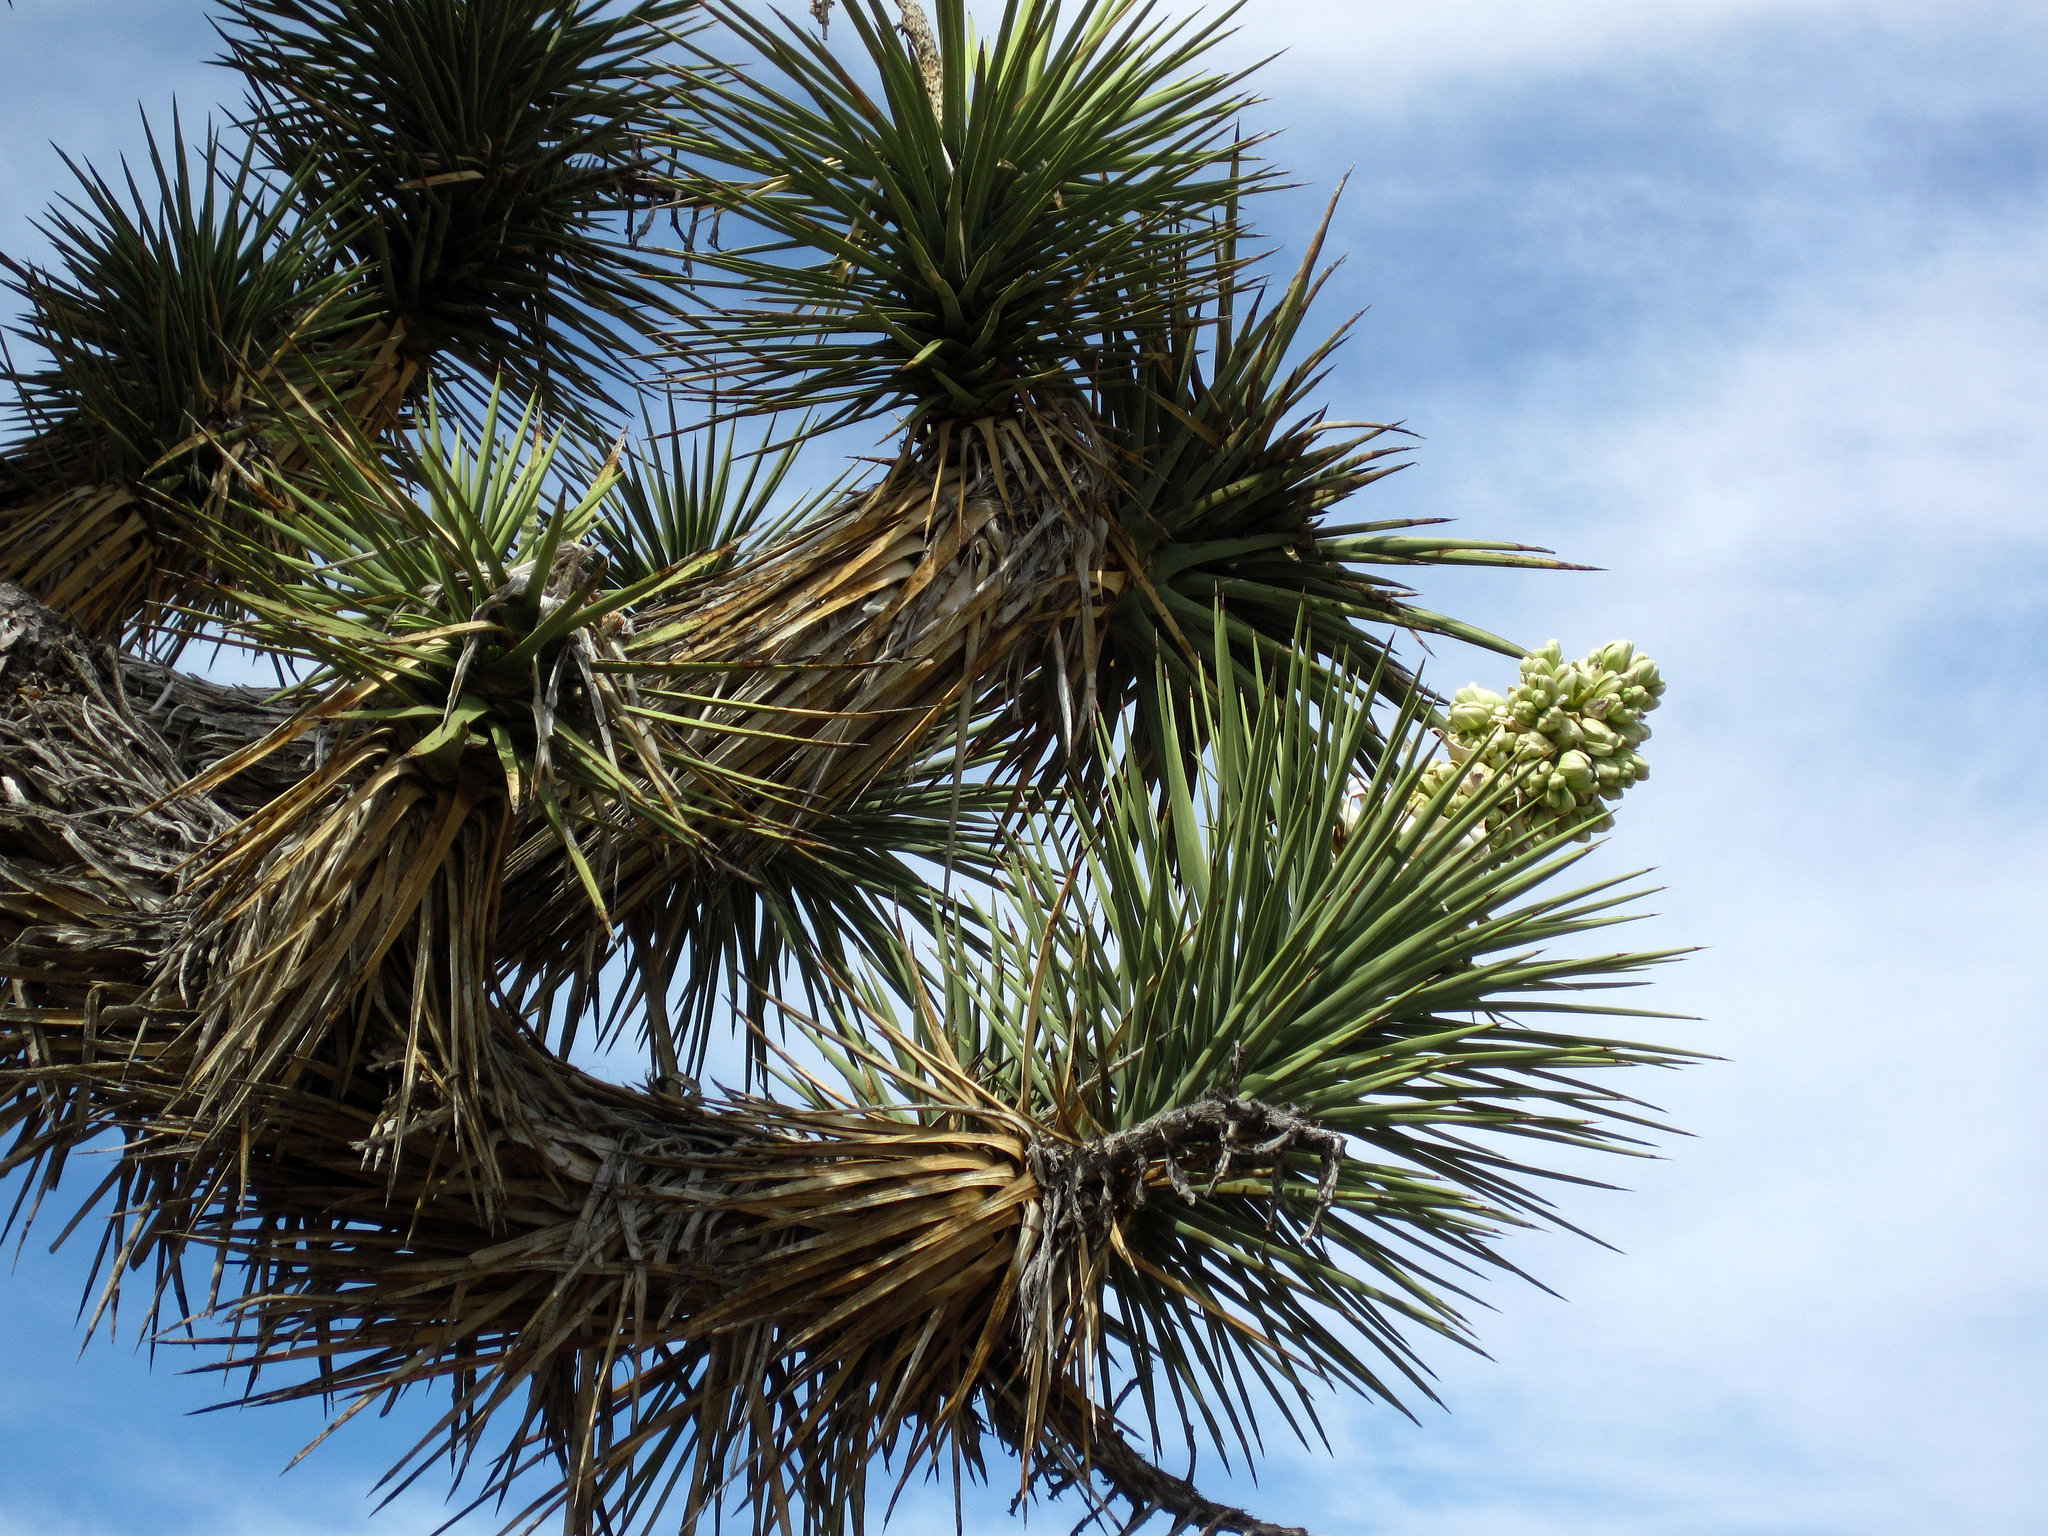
(1745, 301)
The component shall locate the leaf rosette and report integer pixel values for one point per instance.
(944, 226)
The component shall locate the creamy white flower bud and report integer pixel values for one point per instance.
(1598, 739)
(1570, 726)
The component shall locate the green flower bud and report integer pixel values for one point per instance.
(1470, 718)
(1531, 745)
(1574, 772)
(1616, 655)
(1525, 713)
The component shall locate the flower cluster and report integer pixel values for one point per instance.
(1568, 731)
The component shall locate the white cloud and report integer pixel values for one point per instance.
(1383, 54)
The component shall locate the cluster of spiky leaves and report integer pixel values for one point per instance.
(1223, 954)
(1198, 1065)
(170, 299)
(956, 228)
(491, 148)
(455, 614)
(951, 234)
(175, 303)
(1229, 471)
(686, 494)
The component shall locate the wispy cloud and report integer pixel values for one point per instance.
(1399, 56)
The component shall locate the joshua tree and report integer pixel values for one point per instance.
(1145, 982)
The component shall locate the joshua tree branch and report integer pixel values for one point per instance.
(1086, 1443)
(1102, 1180)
